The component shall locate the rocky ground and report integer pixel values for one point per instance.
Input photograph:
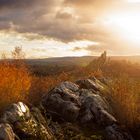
(70, 111)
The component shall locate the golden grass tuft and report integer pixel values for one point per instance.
(125, 98)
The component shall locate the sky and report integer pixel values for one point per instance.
(57, 28)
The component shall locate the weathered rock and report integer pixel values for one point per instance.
(6, 132)
(94, 107)
(63, 101)
(25, 124)
(94, 84)
(67, 86)
(15, 113)
(104, 80)
(114, 132)
(83, 102)
(69, 101)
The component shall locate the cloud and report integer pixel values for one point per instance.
(63, 20)
(63, 15)
(44, 17)
(23, 4)
(50, 18)
(114, 47)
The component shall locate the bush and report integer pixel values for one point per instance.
(15, 83)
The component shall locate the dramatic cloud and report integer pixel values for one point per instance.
(52, 18)
(66, 21)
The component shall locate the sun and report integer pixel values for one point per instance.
(133, 1)
(127, 25)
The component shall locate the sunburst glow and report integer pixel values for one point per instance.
(134, 1)
(128, 25)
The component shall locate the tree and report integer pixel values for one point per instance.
(3, 56)
(97, 64)
(102, 59)
(18, 53)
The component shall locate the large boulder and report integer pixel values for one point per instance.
(26, 124)
(6, 132)
(63, 101)
(69, 101)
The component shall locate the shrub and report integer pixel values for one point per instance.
(14, 83)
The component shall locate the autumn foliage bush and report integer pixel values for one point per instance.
(15, 83)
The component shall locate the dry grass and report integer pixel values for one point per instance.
(125, 95)
(42, 85)
(15, 83)
(125, 100)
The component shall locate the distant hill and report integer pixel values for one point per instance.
(77, 61)
(63, 61)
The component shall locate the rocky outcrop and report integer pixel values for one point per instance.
(83, 102)
(69, 106)
(79, 101)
